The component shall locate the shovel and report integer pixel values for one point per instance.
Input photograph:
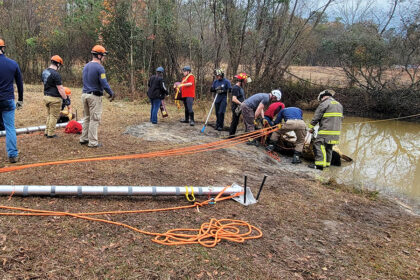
(208, 116)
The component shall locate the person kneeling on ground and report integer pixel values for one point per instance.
(66, 113)
(329, 115)
(253, 107)
(293, 121)
(156, 93)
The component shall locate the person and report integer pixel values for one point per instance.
(329, 116)
(238, 96)
(66, 113)
(156, 92)
(253, 107)
(221, 86)
(9, 73)
(94, 84)
(293, 121)
(187, 87)
(272, 111)
(54, 94)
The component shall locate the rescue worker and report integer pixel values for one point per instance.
(238, 96)
(9, 73)
(272, 111)
(293, 121)
(221, 86)
(329, 116)
(156, 92)
(253, 107)
(94, 84)
(66, 113)
(54, 94)
(187, 87)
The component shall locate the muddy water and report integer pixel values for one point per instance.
(386, 157)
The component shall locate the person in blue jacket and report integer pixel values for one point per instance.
(9, 73)
(221, 86)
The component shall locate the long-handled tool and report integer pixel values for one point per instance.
(211, 109)
(163, 109)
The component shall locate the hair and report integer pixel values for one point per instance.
(55, 63)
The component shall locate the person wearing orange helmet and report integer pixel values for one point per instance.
(66, 113)
(9, 73)
(94, 84)
(54, 94)
(238, 96)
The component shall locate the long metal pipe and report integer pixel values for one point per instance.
(31, 129)
(26, 190)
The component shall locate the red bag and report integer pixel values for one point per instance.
(73, 127)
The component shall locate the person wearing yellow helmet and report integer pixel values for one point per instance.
(10, 73)
(54, 94)
(94, 84)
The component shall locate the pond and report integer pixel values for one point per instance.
(386, 157)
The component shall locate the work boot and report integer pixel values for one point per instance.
(270, 148)
(253, 143)
(192, 123)
(312, 165)
(185, 120)
(13, 159)
(296, 158)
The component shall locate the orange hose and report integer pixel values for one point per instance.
(209, 234)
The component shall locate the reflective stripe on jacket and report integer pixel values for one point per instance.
(329, 115)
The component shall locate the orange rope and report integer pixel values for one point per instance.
(209, 234)
(166, 153)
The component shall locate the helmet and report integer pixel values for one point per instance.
(98, 49)
(186, 68)
(276, 93)
(67, 91)
(326, 92)
(2, 44)
(57, 59)
(241, 76)
(160, 69)
(219, 72)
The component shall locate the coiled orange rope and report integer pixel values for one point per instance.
(165, 153)
(209, 235)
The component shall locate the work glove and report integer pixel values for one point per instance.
(111, 97)
(19, 105)
(66, 101)
(311, 130)
(279, 125)
(265, 122)
(255, 122)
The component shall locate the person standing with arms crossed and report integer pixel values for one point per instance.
(54, 94)
(10, 72)
(94, 84)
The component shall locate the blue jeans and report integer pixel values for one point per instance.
(154, 110)
(7, 111)
(270, 122)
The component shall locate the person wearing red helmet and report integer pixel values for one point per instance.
(54, 94)
(9, 73)
(238, 96)
(94, 84)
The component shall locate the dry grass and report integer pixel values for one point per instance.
(311, 231)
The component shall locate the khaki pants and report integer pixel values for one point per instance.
(249, 117)
(53, 105)
(92, 111)
(299, 127)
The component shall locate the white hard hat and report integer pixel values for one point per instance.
(276, 93)
(329, 92)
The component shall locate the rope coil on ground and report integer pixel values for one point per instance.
(209, 234)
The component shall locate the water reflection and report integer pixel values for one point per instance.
(386, 155)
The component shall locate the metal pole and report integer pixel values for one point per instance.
(245, 177)
(34, 128)
(26, 190)
(262, 185)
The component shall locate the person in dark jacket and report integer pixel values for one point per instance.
(156, 92)
(9, 73)
(238, 96)
(221, 86)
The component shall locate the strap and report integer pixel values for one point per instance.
(192, 199)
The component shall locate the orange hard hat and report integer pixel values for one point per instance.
(57, 59)
(2, 44)
(98, 49)
(241, 76)
(67, 91)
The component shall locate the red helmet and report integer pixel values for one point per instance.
(57, 59)
(241, 76)
(2, 44)
(98, 49)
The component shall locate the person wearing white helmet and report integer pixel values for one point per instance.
(253, 107)
(329, 116)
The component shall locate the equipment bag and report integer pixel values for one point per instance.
(73, 127)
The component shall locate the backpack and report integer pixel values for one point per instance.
(73, 127)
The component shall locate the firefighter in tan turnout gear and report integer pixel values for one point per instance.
(329, 116)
